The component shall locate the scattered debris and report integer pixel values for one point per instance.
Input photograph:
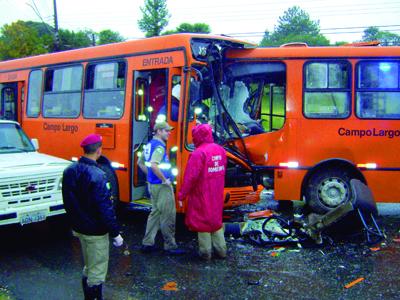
(127, 252)
(294, 250)
(268, 228)
(353, 283)
(170, 286)
(260, 214)
(254, 282)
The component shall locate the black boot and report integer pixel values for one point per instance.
(85, 288)
(98, 292)
(94, 292)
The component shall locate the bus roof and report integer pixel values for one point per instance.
(144, 46)
(303, 51)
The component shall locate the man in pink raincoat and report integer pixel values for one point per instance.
(203, 185)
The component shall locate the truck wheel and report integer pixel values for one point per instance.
(327, 190)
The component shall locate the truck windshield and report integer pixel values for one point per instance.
(13, 139)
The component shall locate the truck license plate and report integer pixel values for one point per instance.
(32, 217)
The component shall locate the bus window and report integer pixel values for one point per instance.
(253, 94)
(175, 97)
(141, 103)
(378, 90)
(8, 101)
(273, 107)
(62, 92)
(2, 106)
(327, 90)
(34, 93)
(104, 90)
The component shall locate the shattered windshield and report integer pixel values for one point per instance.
(13, 139)
(249, 100)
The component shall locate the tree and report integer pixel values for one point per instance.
(193, 28)
(295, 26)
(20, 40)
(72, 40)
(385, 37)
(155, 17)
(27, 38)
(42, 29)
(108, 36)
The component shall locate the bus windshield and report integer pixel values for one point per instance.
(249, 100)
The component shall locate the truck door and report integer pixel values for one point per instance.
(9, 101)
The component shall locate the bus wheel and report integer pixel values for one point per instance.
(327, 190)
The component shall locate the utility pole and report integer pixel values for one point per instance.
(56, 37)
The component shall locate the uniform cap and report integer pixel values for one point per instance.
(91, 139)
(162, 125)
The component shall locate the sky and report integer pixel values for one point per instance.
(339, 20)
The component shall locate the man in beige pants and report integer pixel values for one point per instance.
(155, 164)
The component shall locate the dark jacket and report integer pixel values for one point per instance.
(86, 199)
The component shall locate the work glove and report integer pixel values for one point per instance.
(118, 241)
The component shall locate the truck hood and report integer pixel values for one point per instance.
(27, 160)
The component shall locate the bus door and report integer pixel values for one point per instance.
(176, 92)
(9, 101)
(150, 102)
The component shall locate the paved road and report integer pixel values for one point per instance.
(43, 261)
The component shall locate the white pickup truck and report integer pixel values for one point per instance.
(30, 182)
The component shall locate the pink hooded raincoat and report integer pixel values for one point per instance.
(203, 182)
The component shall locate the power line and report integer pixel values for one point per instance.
(241, 7)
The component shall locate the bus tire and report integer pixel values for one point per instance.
(327, 189)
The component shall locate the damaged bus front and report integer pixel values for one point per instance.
(208, 94)
(242, 102)
(281, 113)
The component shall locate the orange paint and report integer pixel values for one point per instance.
(351, 284)
(170, 286)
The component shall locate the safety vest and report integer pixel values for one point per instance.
(164, 165)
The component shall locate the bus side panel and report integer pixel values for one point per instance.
(385, 185)
(62, 137)
(288, 183)
(358, 142)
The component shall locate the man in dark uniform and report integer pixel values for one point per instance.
(86, 196)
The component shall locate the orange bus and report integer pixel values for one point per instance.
(300, 120)
(309, 119)
(119, 91)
